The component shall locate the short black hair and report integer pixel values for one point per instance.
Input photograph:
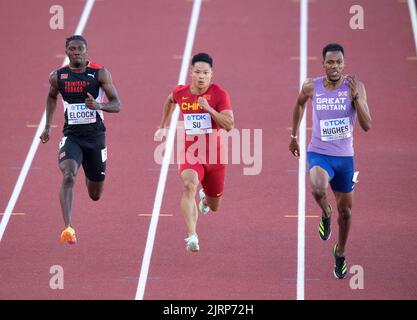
(333, 47)
(75, 37)
(202, 57)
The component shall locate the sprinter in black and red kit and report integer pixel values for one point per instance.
(81, 84)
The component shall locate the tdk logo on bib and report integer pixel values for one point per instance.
(79, 113)
(197, 117)
(336, 122)
(197, 123)
(77, 107)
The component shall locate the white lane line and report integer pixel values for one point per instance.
(302, 160)
(35, 142)
(167, 156)
(413, 17)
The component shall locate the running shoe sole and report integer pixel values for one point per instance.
(203, 209)
(68, 236)
(192, 244)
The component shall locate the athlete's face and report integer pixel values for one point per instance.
(333, 65)
(76, 52)
(201, 74)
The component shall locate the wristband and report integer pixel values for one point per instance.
(294, 137)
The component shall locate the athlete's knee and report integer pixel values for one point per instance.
(214, 203)
(190, 186)
(214, 206)
(94, 190)
(69, 178)
(94, 195)
(319, 192)
(345, 212)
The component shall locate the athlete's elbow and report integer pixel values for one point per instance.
(367, 126)
(230, 126)
(52, 97)
(117, 107)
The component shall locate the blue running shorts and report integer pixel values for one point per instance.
(339, 169)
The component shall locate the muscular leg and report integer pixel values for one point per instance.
(188, 205)
(344, 206)
(319, 180)
(95, 188)
(69, 169)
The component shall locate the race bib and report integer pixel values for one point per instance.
(335, 129)
(78, 113)
(197, 123)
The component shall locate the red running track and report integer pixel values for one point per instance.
(248, 248)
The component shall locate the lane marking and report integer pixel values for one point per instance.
(13, 213)
(20, 168)
(296, 216)
(29, 125)
(167, 156)
(307, 279)
(150, 215)
(35, 142)
(302, 160)
(413, 17)
(310, 1)
(298, 58)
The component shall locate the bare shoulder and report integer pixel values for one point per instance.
(360, 84)
(104, 75)
(308, 87)
(361, 89)
(308, 83)
(53, 78)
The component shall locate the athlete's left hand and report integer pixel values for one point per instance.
(46, 134)
(294, 147)
(91, 103)
(203, 103)
(353, 86)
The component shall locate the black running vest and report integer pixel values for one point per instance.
(73, 88)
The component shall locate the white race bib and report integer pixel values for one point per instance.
(78, 113)
(197, 123)
(335, 129)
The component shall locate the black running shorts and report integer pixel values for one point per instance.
(91, 152)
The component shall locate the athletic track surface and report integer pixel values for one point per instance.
(248, 248)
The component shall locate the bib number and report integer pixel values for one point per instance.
(335, 129)
(78, 113)
(197, 123)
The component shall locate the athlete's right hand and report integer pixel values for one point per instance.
(294, 147)
(46, 134)
(159, 134)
